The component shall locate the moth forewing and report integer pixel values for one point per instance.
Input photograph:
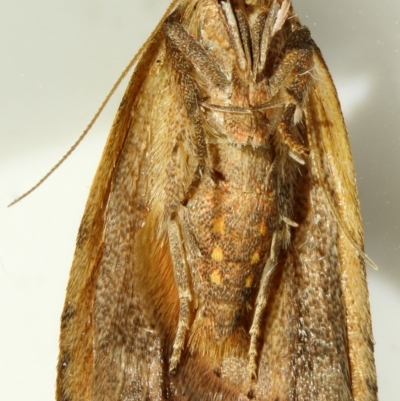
(218, 256)
(76, 359)
(332, 152)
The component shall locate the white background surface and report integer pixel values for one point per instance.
(58, 61)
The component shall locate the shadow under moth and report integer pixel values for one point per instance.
(220, 255)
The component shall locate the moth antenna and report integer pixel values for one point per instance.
(87, 129)
(339, 221)
(128, 68)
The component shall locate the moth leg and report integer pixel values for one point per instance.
(261, 302)
(185, 296)
(262, 35)
(192, 65)
(296, 150)
(292, 72)
(197, 60)
(289, 85)
(238, 33)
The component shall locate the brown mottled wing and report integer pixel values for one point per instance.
(108, 345)
(333, 156)
(318, 339)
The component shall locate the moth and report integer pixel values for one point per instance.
(220, 255)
